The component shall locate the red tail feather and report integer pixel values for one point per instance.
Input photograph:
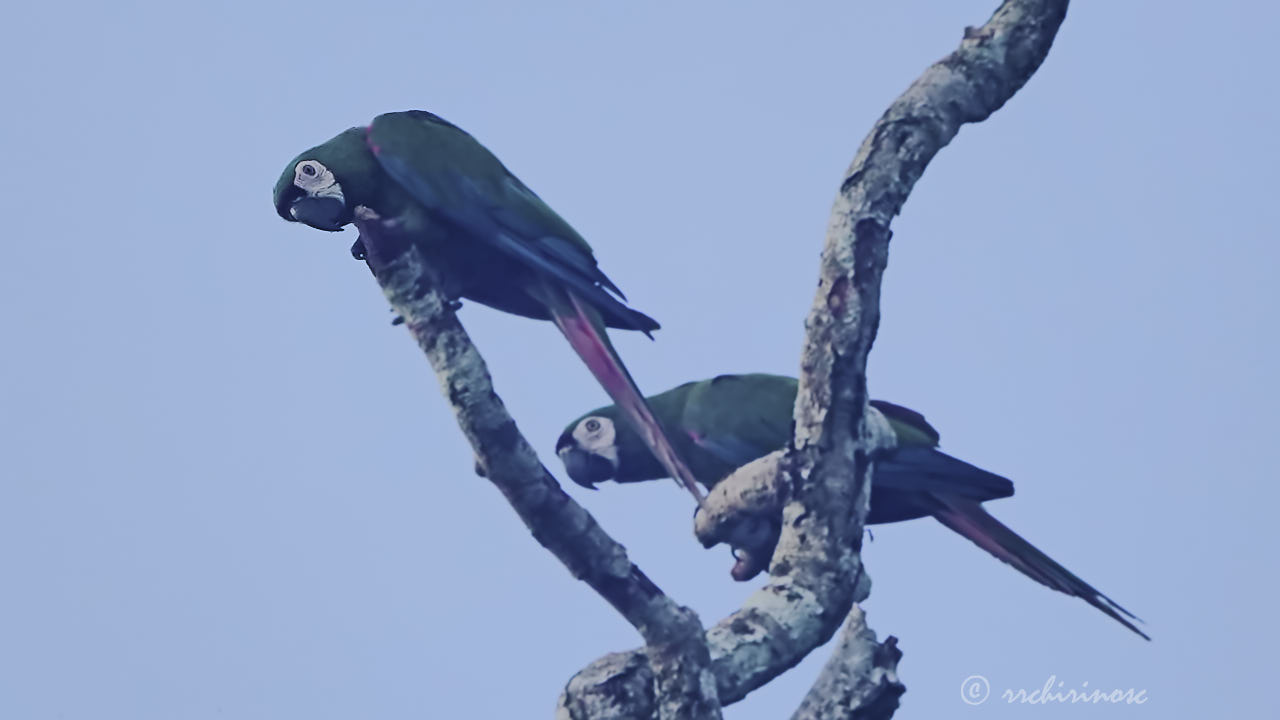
(972, 521)
(587, 339)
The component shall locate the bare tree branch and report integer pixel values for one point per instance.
(823, 479)
(860, 679)
(676, 648)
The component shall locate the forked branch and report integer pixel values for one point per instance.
(822, 480)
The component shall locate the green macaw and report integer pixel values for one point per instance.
(720, 424)
(413, 178)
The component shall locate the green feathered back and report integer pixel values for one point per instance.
(436, 148)
(722, 423)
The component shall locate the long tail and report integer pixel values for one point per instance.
(972, 521)
(585, 332)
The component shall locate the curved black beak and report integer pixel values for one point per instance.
(584, 468)
(565, 442)
(321, 213)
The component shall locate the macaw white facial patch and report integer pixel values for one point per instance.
(316, 180)
(883, 438)
(597, 435)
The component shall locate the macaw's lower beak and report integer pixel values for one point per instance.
(586, 468)
(321, 213)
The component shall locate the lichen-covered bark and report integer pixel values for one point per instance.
(860, 679)
(824, 477)
(742, 510)
(678, 660)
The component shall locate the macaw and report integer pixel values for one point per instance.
(413, 177)
(723, 423)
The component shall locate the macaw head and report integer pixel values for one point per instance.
(602, 446)
(322, 186)
(589, 447)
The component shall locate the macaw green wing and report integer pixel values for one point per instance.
(460, 182)
(734, 419)
(738, 418)
(910, 426)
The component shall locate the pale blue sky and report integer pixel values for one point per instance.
(231, 489)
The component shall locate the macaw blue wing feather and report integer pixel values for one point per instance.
(525, 219)
(733, 451)
(922, 470)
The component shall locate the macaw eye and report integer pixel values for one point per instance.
(593, 425)
(311, 174)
